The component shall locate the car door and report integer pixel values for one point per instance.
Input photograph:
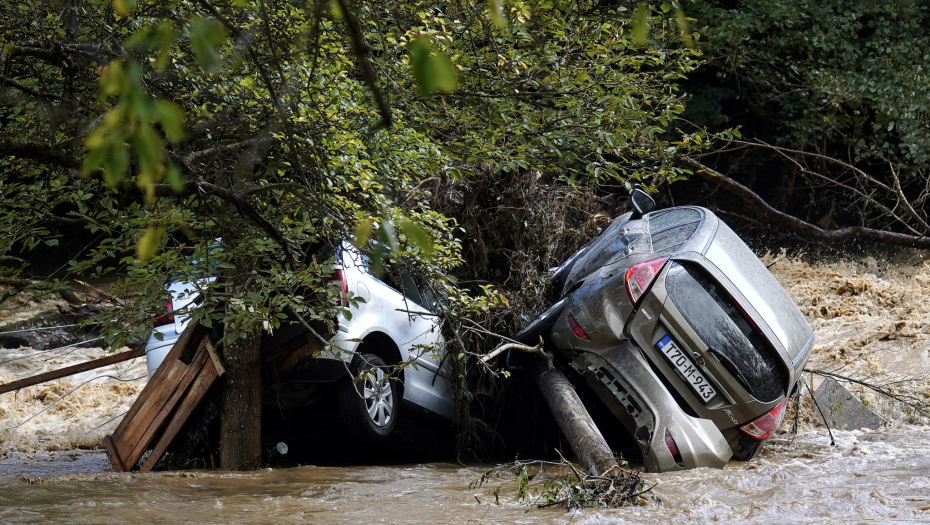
(426, 380)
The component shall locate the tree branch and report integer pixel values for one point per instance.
(359, 48)
(904, 202)
(38, 152)
(9, 82)
(246, 209)
(796, 225)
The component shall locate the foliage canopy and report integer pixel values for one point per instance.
(135, 134)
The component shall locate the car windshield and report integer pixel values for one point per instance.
(729, 335)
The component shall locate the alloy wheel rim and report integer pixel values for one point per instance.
(378, 396)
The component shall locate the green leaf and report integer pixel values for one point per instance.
(418, 236)
(432, 69)
(149, 243)
(171, 117)
(684, 27)
(116, 164)
(497, 14)
(173, 177)
(641, 24)
(164, 38)
(362, 231)
(420, 65)
(447, 78)
(207, 35)
(335, 10)
(388, 237)
(123, 6)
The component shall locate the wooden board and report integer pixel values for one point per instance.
(167, 401)
(71, 370)
(191, 401)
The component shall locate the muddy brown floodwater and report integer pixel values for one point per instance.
(873, 324)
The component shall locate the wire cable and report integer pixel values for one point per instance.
(68, 394)
(38, 329)
(50, 350)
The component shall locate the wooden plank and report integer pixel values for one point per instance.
(114, 456)
(144, 409)
(157, 377)
(217, 362)
(147, 429)
(71, 370)
(192, 399)
(158, 399)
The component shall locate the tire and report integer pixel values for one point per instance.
(369, 407)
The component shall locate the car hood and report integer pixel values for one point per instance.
(762, 291)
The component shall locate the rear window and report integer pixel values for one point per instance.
(731, 338)
(664, 219)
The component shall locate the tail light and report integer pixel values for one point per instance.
(763, 426)
(640, 276)
(339, 277)
(579, 331)
(748, 319)
(673, 448)
(167, 318)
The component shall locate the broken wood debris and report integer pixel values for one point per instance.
(71, 370)
(167, 402)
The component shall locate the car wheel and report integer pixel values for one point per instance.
(369, 399)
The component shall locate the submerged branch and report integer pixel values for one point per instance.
(921, 408)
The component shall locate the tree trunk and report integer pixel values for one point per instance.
(241, 421)
(587, 442)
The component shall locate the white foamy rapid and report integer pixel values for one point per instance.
(72, 412)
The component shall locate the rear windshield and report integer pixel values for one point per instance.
(730, 337)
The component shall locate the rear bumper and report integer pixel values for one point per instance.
(155, 350)
(325, 368)
(636, 396)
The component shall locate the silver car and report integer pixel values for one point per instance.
(682, 332)
(383, 356)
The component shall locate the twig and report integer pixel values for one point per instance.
(825, 422)
(538, 349)
(905, 203)
(50, 350)
(921, 409)
(98, 291)
(38, 329)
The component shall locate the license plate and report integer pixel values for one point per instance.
(686, 369)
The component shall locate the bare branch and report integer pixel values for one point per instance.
(834, 182)
(796, 225)
(827, 158)
(359, 48)
(521, 347)
(246, 209)
(9, 82)
(905, 203)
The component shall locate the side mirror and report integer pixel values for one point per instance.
(642, 203)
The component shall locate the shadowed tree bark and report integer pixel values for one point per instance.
(241, 421)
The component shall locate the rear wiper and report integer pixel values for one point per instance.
(730, 366)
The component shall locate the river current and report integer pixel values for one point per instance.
(872, 324)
